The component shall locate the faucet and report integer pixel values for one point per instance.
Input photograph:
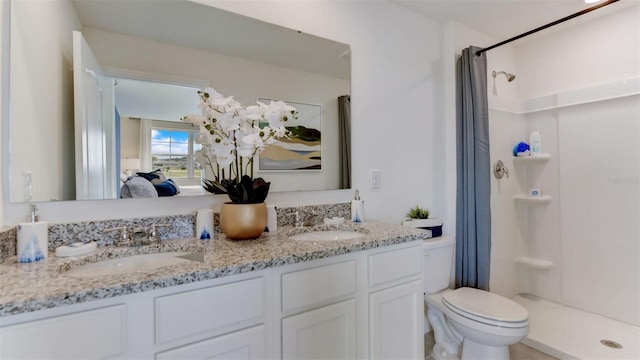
(123, 237)
(299, 222)
(310, 221)
(138, 236)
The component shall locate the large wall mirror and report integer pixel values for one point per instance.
(82, 111)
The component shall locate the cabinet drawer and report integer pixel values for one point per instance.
(318, 285)
(212, 310)
(90, 334)
(243, 344)
(394, 265)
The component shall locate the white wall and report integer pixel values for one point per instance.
(395, 54)
(41, 97)
(591, 53)
(129, 138)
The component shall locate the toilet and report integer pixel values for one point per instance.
(467, 323)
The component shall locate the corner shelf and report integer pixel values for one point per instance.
(533, 199)
(531, 159)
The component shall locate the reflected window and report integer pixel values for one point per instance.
(172, 151)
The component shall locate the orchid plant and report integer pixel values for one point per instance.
(231, 136)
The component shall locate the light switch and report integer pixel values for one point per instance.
(376, 179)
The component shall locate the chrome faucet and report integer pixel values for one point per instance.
(299, 222)
(153, 234)
(138, 236)
(310, 221)
(123, 237)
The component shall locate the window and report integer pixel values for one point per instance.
(172, 151)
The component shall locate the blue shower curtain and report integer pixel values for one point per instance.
(473, 210)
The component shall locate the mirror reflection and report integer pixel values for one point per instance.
(90, 107)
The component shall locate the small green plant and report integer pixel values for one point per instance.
(418, 213)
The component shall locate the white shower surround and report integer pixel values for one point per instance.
(589, 230)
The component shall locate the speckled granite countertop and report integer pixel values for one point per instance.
(42, 285)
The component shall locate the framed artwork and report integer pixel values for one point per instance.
(303, 150)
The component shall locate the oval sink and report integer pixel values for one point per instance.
(331, 235)
(134, 264)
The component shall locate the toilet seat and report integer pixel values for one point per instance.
(485, 307)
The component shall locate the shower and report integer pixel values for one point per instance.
(510, 77)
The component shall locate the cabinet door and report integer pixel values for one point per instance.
(243, 344)
(396, 316)
(325, 333)
(92, 334)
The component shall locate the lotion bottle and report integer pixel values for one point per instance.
(357, 209)
(535, 143)
(33, 239)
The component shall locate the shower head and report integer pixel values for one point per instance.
(510, 77)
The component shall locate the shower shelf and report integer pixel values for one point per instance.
(533, 199)
(534, 263)
(531, 159)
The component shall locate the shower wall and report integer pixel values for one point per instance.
(600, 199)
(586, 109)
(589, 230)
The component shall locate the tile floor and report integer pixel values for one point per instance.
(517, 351)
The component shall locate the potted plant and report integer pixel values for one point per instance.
(231, 136)
(419, 218)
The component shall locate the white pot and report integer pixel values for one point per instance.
(422, 223)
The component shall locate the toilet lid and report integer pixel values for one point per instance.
(484, 306)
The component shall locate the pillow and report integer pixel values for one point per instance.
(167, 188)
(156, 176)
(137, 187)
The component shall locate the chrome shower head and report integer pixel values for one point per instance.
(510, 77)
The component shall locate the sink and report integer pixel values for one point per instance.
(331, 235)
(134, 264)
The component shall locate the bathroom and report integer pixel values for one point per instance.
(403, 81)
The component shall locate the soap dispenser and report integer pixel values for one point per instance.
(33, 238)
(357, 209)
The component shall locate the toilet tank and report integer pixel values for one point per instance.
(437, 263)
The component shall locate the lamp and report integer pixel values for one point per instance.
(129, 164)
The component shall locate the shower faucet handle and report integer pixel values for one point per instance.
(499, 170)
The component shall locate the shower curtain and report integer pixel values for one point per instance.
(473, 189)
(344, 130)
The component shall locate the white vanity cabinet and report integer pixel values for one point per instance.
(318, 309)
(362, 305)
(365, 304)
(224, 315)
(221, 318)
(242, 344)
(396, 303)
(97, 333)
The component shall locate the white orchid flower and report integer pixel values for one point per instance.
(229, 131)
(280, 132)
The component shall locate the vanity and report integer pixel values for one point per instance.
(273, 297)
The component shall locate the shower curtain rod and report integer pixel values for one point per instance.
(478, 53)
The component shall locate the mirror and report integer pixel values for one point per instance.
(178, 43)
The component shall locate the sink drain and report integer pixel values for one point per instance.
(610, 343)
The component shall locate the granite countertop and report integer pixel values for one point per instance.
(44, 284)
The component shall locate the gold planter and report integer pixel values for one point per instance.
(243, 221)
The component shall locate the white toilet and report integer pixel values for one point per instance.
(467, 323)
